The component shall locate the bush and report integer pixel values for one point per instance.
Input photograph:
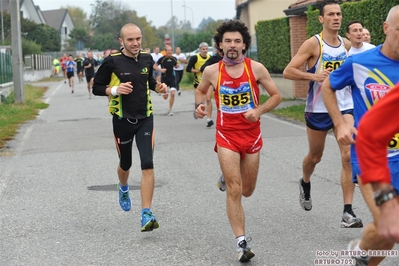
(273, 41)
(30, 47)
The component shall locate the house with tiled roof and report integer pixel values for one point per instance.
(28, 10)
(61, 20)
(251, 11)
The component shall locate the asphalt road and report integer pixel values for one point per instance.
(59, 202)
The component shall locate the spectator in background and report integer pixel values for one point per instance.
(56, 64)
(155, 57)
(181, 60)
(70, 69)
(194, 66)
(366, 35)
(89, 65)
(166, 65)
(79, 67)
(63, 61)
(354, 32)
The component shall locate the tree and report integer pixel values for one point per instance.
(104, 41)
(30, 47)
(46, 36)
(108, 17)
(78, 35)
(78, 16)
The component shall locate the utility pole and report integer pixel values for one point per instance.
(173, 26)
(2, 23)
(185, 21)
(17, 61)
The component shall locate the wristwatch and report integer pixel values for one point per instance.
(382, 196)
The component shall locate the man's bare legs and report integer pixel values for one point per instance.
(90, 86)
(123, 176)
(240, 177)
(347, 185)
(72, 83)
(172, 98)
(316, 141)
(147, 187)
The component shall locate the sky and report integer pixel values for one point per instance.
(159, 11)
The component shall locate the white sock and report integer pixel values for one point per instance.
(239, 239)
(357, 249)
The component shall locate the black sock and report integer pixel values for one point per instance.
(305, 185)
(348, 208)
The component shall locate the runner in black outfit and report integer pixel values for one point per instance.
(127, 76)
(89, 64)
(166, 65)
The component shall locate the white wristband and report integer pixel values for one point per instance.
(114, 90)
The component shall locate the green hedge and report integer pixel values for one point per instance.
(273, 36)
(371, 13)
(273, 41)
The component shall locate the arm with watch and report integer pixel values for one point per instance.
(375, 132)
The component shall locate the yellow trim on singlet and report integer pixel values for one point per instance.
(249, 81)
(321, 50)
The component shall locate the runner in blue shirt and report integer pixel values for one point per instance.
(70, 68)
(371, 75)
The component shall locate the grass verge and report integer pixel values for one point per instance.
(12, 114)
(291, 113)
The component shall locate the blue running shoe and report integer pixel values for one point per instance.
(124, 199)
(148, 222)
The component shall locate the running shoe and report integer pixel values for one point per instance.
(169, 113)
(124, 199)
(349, 220)
(178, 93)
(304, 197)
(360, 260)
(221, 183)
(209, 123)
(244, 251)
(148, 222)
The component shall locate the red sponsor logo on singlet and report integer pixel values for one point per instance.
(377, 91)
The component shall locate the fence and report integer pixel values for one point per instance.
(5, 65)
(38, 62)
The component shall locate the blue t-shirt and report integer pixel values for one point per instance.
(70, 66)
(371, 75)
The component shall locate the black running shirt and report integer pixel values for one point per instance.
(118, 68)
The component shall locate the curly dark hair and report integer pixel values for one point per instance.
(232, 26)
